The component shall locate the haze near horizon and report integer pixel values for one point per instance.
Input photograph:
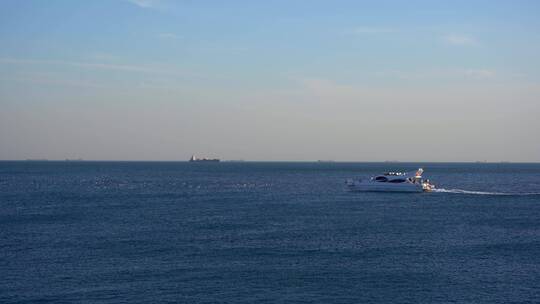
(280, 80)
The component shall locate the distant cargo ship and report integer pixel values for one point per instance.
(204, 159)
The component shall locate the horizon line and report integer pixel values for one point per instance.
(271, 161)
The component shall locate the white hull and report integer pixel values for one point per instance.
(392, 182)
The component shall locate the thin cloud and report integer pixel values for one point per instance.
(462, 40)
(169, 36)
(100, 66)
(145, 3)
(480, 73)
(105, 66)
(219, 48)
(54, 79)
(373, 30)
(439, 73)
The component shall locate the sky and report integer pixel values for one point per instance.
(270, 80)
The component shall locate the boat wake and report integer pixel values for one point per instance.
(460, 191)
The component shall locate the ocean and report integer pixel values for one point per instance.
(266, 232)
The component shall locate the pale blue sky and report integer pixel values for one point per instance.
(270, 80)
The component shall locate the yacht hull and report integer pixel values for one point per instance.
(392, 182)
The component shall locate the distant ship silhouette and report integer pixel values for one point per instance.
(204, 159)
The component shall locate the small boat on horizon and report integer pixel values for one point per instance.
(204, 159)
(393, 182)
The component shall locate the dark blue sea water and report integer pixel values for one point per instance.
(158, 232)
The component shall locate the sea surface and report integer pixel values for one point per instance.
(248, 232)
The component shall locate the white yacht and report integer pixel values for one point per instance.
(204, 159)
(392, 182)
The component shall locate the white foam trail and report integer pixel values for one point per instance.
(460, 191)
